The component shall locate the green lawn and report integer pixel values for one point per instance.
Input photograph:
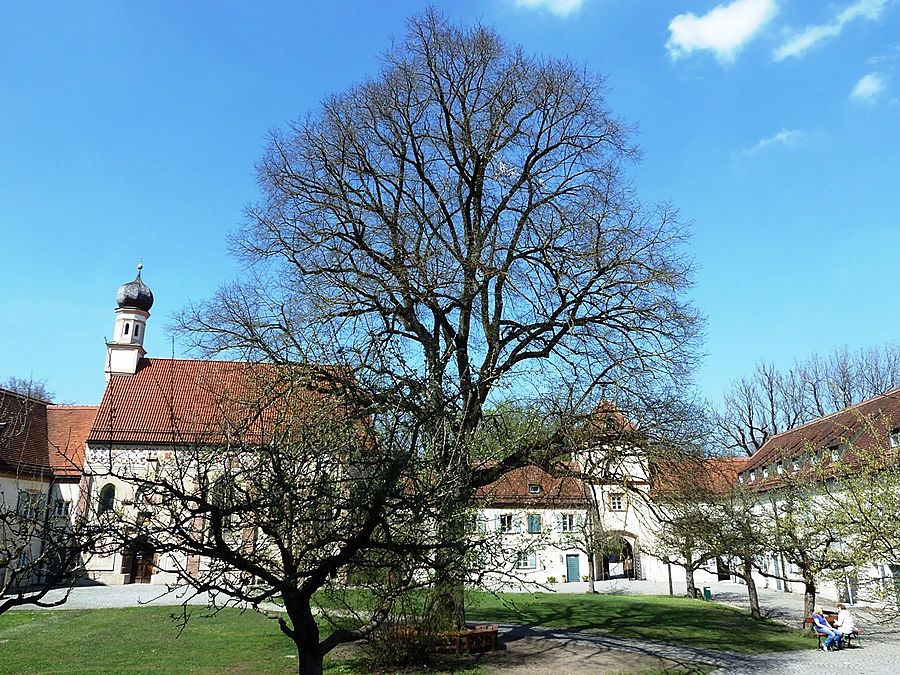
(658, 618)
(144, 640)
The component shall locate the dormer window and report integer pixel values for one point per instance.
(534, 489)
(779, 467)
(741, 478)
(894, 438)
(765, 472)
(835, 452)
(796, 463)
(752, 476)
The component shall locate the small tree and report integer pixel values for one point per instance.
(294, 491)
(806, 531)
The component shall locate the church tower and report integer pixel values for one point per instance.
(126, 348)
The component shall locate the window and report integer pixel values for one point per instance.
(779, 467)
(506, 522)
(61, 508)
(741, 478)
(796, 463)
(527, 561)
(534, 523)
(28, 504)
(894, 438)
(617, 502)
(752, 476)
(534, 489)
(835, 452)
(125, 330)
(107, 498)
(765, 472)
(137, 329)
(568, 522)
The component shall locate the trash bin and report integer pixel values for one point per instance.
(707, 593)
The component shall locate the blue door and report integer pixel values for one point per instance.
(572, 571)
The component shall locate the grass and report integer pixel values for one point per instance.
(679, 621)
(671, 620)
(146, 640)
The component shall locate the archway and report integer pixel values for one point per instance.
(619, 557)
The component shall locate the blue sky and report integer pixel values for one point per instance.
(132, 129)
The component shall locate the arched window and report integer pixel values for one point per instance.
(125, 330)
(137, 329)
(107, 498)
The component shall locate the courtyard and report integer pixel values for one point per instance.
(627, 627)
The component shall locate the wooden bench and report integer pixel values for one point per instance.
(479, 638)
(474, 639)
(846, 638)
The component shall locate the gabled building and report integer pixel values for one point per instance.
(866, 434)
(41, 454)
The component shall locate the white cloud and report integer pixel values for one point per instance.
(868, 88)
(557, 7)
(798, 43)
(723, 30)
(785, 137)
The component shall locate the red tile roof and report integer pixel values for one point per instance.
(696, 476)
(67, 432)
(865, 426)
(512, 489)
(23, 436)
(185, 401)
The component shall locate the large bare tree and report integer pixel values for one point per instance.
(457, 230)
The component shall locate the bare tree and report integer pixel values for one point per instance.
(30, 388)
(771, 401)
(457, 228)
(290, 491)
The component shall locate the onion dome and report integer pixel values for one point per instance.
(135, 294)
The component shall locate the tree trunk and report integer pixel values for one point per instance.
(689, 577)
(809, 598)
(751, 589)
(448, 604)
(592, 567)
(310, 661)
(304, 631)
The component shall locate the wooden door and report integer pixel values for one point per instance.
(137, 563)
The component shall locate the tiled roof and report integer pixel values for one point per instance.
(513, 489)
(696, 476)
(185, 401)
(23, 435)
(866, 426)
(67, 432)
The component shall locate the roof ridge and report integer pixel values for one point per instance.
(63, 406)
(166, 358)
(887, 394)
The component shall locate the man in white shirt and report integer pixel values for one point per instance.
(844, 624)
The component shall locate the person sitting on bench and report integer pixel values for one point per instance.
(822, 628)
(845, 624)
